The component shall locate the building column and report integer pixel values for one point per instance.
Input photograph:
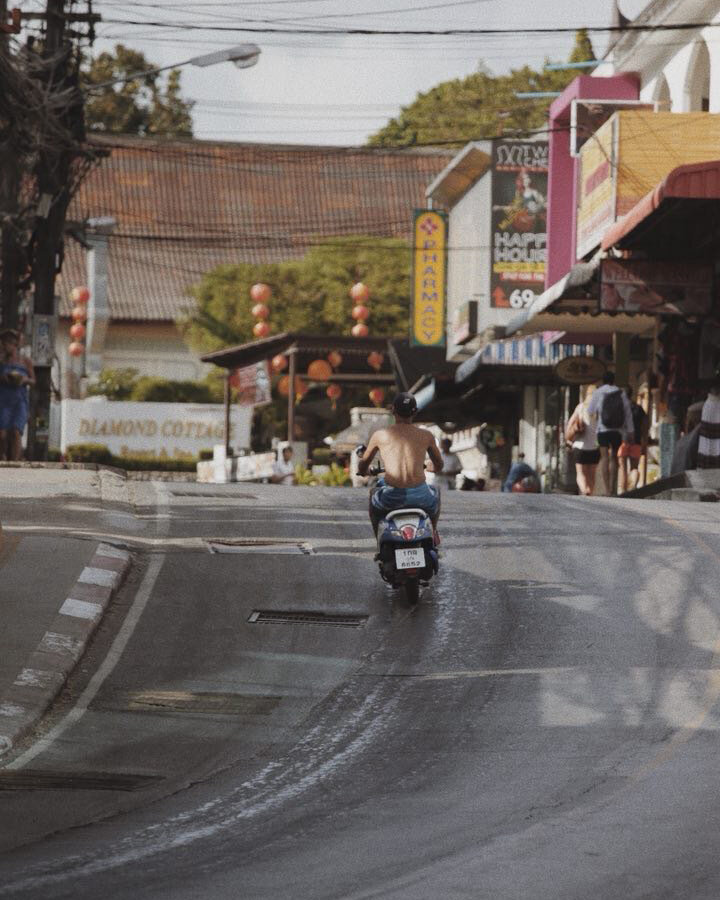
(621, 355)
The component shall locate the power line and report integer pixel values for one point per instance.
(424, 32)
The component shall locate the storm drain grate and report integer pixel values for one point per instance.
(286, 617)
(216, 496)
(37, 780)
(197, 702)
(259, 545)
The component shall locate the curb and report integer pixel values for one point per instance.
(62, 645)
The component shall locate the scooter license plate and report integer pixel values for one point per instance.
(410, 558)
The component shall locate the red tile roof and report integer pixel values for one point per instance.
(184, 207)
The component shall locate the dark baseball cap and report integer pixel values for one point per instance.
(404, 405)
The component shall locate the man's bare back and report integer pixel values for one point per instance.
(403, 447)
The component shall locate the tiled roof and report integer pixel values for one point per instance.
(184, 207)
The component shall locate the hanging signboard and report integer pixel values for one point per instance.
(518, 222)
(579, 369)
(252, 384)
(465, 322)
(656, 287)
(427, 323)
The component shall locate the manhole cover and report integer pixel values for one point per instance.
(215, 496)
(290, 617)
(201, 702)
(37, 780)
(259, 545)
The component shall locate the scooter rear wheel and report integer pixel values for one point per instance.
(412, 590)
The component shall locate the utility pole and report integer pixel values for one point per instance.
(11, 253)
(53, 175)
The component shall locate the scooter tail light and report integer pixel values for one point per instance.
(408, 532)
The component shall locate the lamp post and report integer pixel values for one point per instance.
(242, 56)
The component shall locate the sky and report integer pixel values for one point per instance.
(334, 89)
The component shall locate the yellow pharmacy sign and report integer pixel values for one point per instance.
(427, 324)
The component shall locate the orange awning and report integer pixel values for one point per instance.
(685, 192)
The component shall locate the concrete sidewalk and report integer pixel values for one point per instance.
(53, 592)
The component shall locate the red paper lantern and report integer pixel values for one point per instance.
(360, 330)
(77, 331)
(234, 379)
(361, 313)
(261, 329)
(319, 370)
(375, 360)
(334, 358)
(334, 392)
(278, 363)
(377, 395)
(284, 386)
(80, 295)
(360, 292)
(78, 314)
(76, 348)
(260, 293)
(260, 311)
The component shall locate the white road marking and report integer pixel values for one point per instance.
(80, 609)
(122, 638)
(99, 577)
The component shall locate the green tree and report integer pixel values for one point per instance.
(148, 104)
(481, 105)
(309, 295)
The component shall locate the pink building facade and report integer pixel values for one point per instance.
(563, 168)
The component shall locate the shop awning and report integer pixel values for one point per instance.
(572, 304)
(678, 219)
(354, 351)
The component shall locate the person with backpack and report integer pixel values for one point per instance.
(630, 451)
(614, 424)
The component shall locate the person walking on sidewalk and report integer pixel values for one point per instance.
(630, 452)
(582, 432)
(614, 424)
(16, 373)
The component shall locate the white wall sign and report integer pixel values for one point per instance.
(154, 430)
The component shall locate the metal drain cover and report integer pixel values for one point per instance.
(215, 496)
(201, 702)
(41, 780)
(291, 617)
(259, 545)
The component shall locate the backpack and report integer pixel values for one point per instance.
(612, 411)
(638, 416)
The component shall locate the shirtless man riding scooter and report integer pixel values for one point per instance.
(402, 447)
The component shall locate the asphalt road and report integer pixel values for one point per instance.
(544, 724)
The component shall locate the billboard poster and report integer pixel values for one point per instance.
(427, 321)
(518, 222)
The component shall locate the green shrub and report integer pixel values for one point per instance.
(101, 455)
(204, 455)
(150, 389)
(89, 453)
(54, 455)
(321, 456)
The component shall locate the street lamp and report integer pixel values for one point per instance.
(243, 56)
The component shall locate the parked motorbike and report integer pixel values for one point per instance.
(406, 554)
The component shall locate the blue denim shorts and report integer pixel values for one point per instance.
(422, 496)
(13, 410)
